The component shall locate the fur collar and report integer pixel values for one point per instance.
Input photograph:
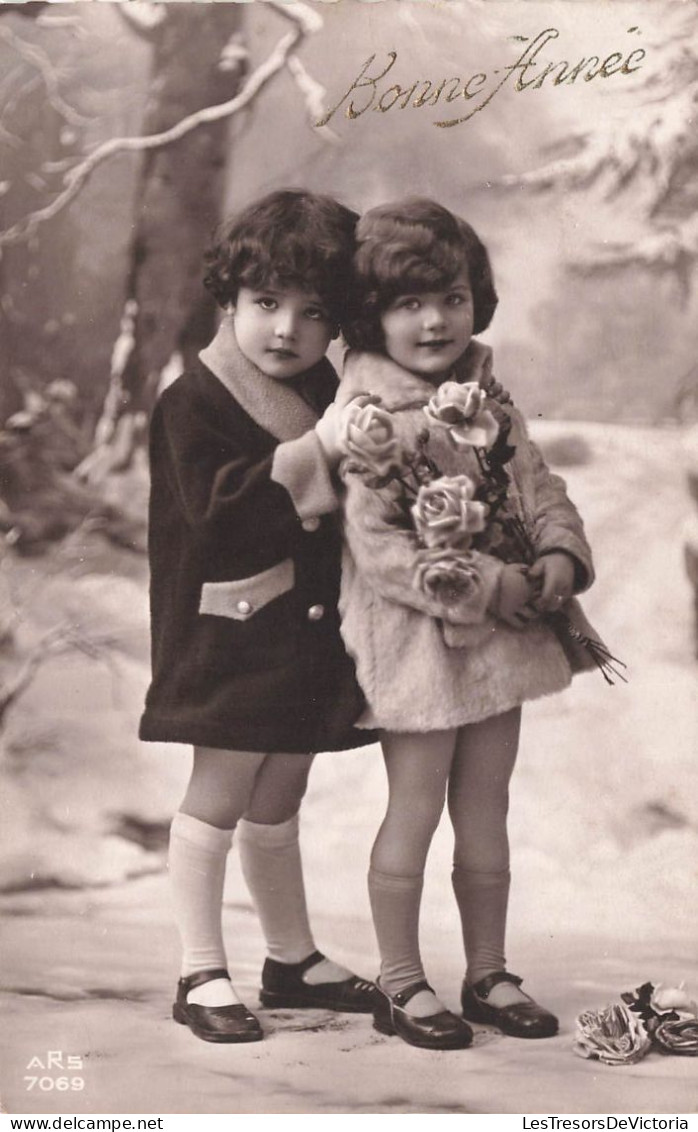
(397, 387)
(276, 406)
(381, 377)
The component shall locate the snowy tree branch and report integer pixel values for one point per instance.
(314, 95)
(142, 24)
(672, 248)
(649, 154)
(616, 155)
(304, 21)
(60, 639)
(15, 98)
(305, 18)
(38, 59)
(72, 24)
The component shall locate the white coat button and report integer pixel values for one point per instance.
(244, 608)
(311, 524)
(316, 612)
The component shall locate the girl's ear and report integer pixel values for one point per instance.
(335, 331)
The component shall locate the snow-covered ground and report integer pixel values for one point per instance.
(604, 831)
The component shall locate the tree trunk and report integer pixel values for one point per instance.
(179, 200)
(36, 338)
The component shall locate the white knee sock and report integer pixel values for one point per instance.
(271, 864)
(196, 864)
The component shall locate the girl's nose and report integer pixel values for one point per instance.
(285, 325)
(433, 316)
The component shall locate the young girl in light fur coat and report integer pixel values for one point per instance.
(445, 679)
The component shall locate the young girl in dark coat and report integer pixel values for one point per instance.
(248, 662)
(445, 671)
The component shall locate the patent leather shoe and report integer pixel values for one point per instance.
(443, 1030)
(519, 1019)
(283, 988)
(214, 1023)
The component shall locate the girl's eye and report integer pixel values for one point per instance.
(411, 303)
(455, 299)
(316, 314)
(267, 303)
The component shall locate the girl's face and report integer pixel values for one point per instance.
(427, 331)
(283, 331)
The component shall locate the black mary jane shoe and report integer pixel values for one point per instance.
(283, 988)
(519, 1019)
(214, 1023)
(437, 1031)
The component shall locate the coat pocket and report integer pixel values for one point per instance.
(244, 597)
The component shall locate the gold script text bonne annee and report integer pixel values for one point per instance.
(424, 92)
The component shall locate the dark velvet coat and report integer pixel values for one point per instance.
(244, 548)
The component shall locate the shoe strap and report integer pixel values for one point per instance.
(198, 978)
(483, 988)
(403, 997)
(312, 960)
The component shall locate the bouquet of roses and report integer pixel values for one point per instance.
(453, 515)
(651, 1017)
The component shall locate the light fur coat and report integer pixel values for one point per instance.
(412, 678)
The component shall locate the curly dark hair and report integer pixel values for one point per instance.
(410, 246)
(290, 238)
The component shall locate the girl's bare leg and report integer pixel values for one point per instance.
(418, 767)
(221, 785)
(478, 801)
(279, 788)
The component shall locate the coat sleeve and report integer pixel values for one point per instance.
(216, 481)
(557, 525)
(386, 554)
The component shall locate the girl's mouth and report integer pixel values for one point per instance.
(280, 352)
(436, 343)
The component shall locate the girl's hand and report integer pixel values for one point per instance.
(476, 365)
(496, 391)
(514, 597)
(552, 577)
(328, 430)
(331, 427)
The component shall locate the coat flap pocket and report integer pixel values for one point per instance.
(244, 597)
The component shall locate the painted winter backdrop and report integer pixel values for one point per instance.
(586, 197)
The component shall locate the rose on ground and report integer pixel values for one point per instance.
(460, 410)
(613, 1035)
(445, 513)
(446, 575)
(368, 435)
(678, 1036)
(660, 1006)
(664, 998)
